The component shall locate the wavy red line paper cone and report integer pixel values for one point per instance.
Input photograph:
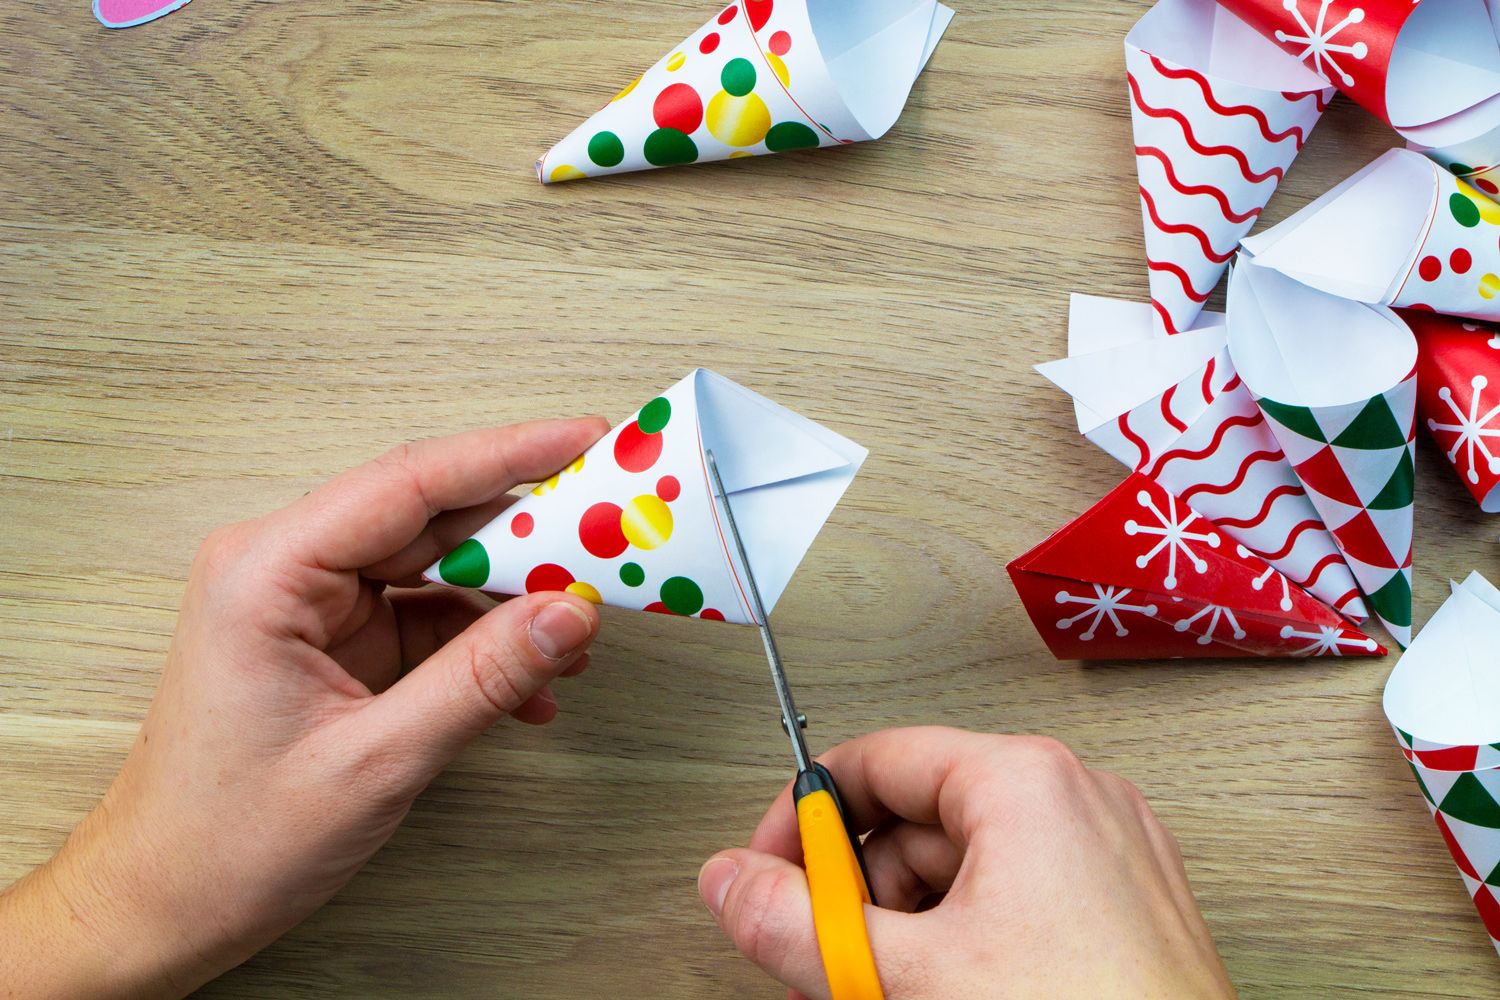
(762, 76)
(1401, 232)
(1431, 70)
(1174, 408)
(1337, 382)
(1443, 700)
(632, 522)
(1458, 398)
(1142, 575)
(1219, 114)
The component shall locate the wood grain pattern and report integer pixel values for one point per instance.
(255, 243)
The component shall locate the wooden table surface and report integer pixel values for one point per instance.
(255, 243)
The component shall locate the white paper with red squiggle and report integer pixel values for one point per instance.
(1219, 113)
(1175, 409)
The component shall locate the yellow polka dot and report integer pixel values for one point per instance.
(585, 591)
(576, 465)
(628, 88)
(739, 154)
(675, 61)
(646, 521)
(546, 486)
(1489, 210)
(774, 61)
(564, 172)
(1489, 286)
(737, 121)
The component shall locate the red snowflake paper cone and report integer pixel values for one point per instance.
(1443, 700)
(1193, 426)
(1337, 383)
(1141, 575)
(633, 523)
(1430, 70)
(1219, 114)
(1458, 398)
(762, 76)
(1401, 232)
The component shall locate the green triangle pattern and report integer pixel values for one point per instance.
(1295, 418)
(1493, 878)
(1374, 429)
(1469, 802)
(1397, 492)
(1392, 602)
(1421, 784)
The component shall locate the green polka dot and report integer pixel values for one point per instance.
(466, 566)
(1460, 168)
(606, 149)
(682, 596)
(631, 575)
(668, 147)
(738, 77)
(654, 415)
(790, 135)
(1464, 210)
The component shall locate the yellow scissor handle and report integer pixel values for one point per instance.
(839, 894)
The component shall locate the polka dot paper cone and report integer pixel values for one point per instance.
(1218, 113)
(633, 523)
(1401, 232)
(762, 76)
(1143, 575)
(1176, 409)
(1336, 381)
(1443, 700)
(1458, 398)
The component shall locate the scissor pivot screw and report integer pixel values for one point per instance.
(801, 723)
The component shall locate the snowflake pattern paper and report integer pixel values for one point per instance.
(633, 522)
(1337, 382)
(1401, 232)
(1443, 700)
(1141, 575)
(762, 76)
(1218, 115)
(1458, 398)
(1175, 409)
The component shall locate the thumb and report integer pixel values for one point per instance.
(483, 674)
(762, 904)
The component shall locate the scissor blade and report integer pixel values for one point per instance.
(790, 721)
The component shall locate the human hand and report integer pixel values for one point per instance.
(302, 708)
(1050, 880)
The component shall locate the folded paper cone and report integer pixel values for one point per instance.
(1428, 69)
(762, 76)
(632, 522)
(1219, 114)
(1443, 700)
(129, 13)
(1401, 232)
(1337, 383)
(1174, 408)
(1142, 575)
(1458, 398)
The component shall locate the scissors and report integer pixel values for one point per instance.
(836, 875)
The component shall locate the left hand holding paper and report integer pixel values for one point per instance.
(303, 707)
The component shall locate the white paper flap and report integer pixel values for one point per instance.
(873, 51)
(1446, 688)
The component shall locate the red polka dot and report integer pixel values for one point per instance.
(781, 43)
(1460, 261)
(1486, 185)
(759, 12)
(727, 14)
(548, 576)
(635, 450)
(679, 107)
(668, 488)
(1421, 307)
(711, 615)
(1430, 269)
(599, 530)
(657, 607)
(522, 524)
(709, 43)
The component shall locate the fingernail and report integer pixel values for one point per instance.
(559, 629)
(714, 880)
(546, 696)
